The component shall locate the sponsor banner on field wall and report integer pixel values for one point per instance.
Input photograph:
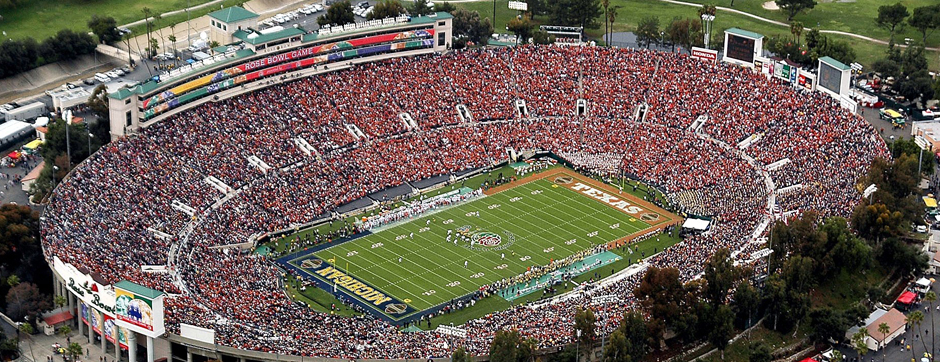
(340, 282)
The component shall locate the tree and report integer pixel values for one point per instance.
(25, 300)
(461, 355)
(685, 32)
(148, 19)
(606, 5)
(387, 9)
(419, 7)
(827, 324)
(74, 349)
(796, 29)
(340, 13)
(509, 346)
(926, 20)
(634, 328)
(720, 328)
(930, 298)
(105, 28)
(27, 328)
(746, 301)
(584, 332)
(616, 349)
(858, 341)
(444, 7)
(65, 331)
(660, 293)
(522, 27)
(59, 301)
(647, 31)
(794, 7)
(612, 17)
(884, 329)
(837, 356)
(915, 319)
(891, 17)
(542, 37)
(759, 352)
(468, 26)
(720, 275)
(583, 13)
(877, 221)
(13, 280)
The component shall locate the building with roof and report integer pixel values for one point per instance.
(223, 24)
(252, 55)
(877, 340)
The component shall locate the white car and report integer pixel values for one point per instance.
(317, 7)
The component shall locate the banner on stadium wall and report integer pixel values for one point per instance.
(98, 296)
(243, 78)
(280, 58)
(112, 333)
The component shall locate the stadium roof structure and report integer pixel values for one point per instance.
(835, 63)
(232, 14)
(138, 289)
(261, 38)
(744, 33)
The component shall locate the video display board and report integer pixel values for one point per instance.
(830, 78)
(740, 48)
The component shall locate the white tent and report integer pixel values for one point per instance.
(696, 224)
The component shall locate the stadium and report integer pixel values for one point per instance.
(408, 181)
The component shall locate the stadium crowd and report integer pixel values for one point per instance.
(143, 197)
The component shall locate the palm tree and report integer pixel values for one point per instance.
(931, 297)
(858, 342)
(59, 301)
(796, 28)
(606, 5)
(884, 329)
(914, 320)
(611, 17)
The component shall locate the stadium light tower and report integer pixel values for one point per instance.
(708, 19)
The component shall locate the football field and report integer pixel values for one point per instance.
(432, 259)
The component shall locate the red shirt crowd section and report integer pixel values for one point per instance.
(104, 216)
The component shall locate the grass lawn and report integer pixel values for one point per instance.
(852, 17)
(43, 18)
(533, 222)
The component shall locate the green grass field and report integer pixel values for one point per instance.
(43, 18)
(527, 225)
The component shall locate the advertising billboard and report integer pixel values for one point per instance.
(705, 54)
(740, 48)
(138, 308)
